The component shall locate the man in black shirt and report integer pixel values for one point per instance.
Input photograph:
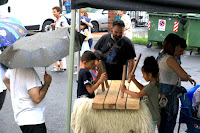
(118, 49)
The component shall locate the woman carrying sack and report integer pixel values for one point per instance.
(171, 73)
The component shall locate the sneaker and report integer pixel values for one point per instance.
(62, 70)
(75, 72)
(55, 70)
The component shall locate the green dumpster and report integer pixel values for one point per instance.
(193, 32)
(161, 24)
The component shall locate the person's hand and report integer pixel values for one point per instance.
(52, 24)
(192, 81)
(103, 77)
(47, 78)
(84, 21)
(123, 88)
(131, 76)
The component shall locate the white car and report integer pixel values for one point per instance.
(99, 18)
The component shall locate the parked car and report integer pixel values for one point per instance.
(35, 15)
(99, 18)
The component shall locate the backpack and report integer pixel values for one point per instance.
(68, 21)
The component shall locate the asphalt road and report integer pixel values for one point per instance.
(56, 98)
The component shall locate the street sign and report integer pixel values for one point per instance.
(161, 24)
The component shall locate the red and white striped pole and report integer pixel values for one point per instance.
(176, 26)
(149, 25)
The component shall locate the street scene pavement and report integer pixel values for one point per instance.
(56, 98)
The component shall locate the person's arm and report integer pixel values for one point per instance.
(88, 24)
(130, 55)
(131, 93)
(192, 81)
(98, 75)
(92, 88)
(6, 82)
(140, 86)
(37, 94)
(131, 63)
(86, 34)
(173, 63)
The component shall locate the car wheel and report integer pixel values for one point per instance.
(47, 26)
(191, 51)
(95, 27)
(149, 45)
(198, 50)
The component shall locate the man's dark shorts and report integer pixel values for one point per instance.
(39, 128)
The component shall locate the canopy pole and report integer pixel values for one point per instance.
(70, 72)
(78, 60)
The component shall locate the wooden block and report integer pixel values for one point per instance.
(111, 98)
(133, 103)
(99, 98)
(103, 87)
(107, 84)
(121, 102)
(103, 70)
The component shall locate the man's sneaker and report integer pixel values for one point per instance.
(75, 72)
(62, 70)
(55, 70)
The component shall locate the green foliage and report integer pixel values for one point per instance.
(144, 41)
(141, 41)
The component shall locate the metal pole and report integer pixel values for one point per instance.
(78, 60)
(78, 23)
(70, 72)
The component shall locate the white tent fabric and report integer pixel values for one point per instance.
(141, 5)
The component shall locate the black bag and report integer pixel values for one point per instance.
(182, 91)
(111, 55)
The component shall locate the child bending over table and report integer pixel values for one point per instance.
(86, 86)
(151, 91)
